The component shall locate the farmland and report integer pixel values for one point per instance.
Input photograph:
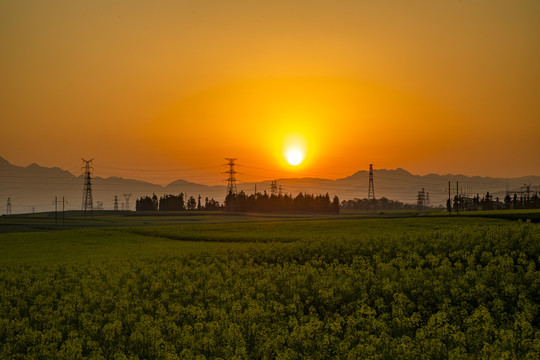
(274, 286)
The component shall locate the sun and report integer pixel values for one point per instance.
(294, 148)
(294, 156)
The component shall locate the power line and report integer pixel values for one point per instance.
(160, 170)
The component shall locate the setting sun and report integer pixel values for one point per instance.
(294, 148)
(294, 156)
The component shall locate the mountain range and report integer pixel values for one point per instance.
(33, 188)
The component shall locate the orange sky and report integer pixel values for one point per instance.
(166, 89)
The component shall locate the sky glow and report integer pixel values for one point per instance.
(428, 86)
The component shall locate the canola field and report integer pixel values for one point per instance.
(329, 288)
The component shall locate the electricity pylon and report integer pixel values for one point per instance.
(127, 196)
(273, 188)
(87, 189)
(371, 190)
(231, 179)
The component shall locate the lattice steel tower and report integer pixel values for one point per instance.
(8, 207)
(127, 196)
(371, 189)
(87, 189)
(273, 188)
(115, 203)
(231, 179)
(421, 200)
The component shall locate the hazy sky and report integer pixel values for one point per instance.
(430, 86)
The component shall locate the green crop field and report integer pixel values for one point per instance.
(289, 286)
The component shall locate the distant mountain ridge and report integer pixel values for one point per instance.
(33, 188)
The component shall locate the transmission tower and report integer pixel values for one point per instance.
(371, 188)
(273, 188)
(87, 190)
(115, 203)
(527, 190)
(231, 179)
(421, 199)
(127, 196)
(8, 207)
(280, 191)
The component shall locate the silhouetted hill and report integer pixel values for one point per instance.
(36, 186)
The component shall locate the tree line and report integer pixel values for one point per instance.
(259, 202)
(375, 204)
(171, 202)
(262, 202)
(489, 202)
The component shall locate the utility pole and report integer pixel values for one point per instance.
(371, 189)
(87, 189)
(449, 205)
(115, 203)
(231, 179)
(457, 194)
(8, 207)
(63, 210)
(64, 202)
(127, 196)
(55, 202)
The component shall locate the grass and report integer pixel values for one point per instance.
(76, 219)
(49, 221)
(522, 214)
(125, 240)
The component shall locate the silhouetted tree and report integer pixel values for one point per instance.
(376, 204)
(192, 203)
(283, 202)
(144, 204)
(335, 205)
(211, 205)
(172, 203)
(155, 202)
